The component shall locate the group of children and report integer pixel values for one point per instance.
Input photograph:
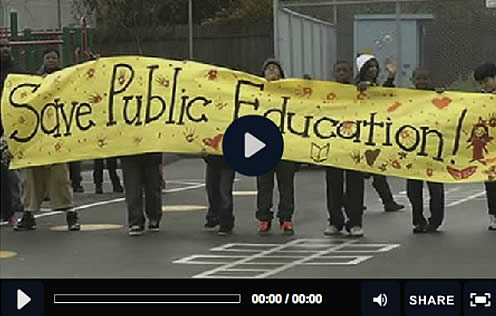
(345, 188)
(344, 192)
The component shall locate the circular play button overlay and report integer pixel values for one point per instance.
(252, 145)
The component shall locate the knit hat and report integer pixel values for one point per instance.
(362, 60)
(274, 62)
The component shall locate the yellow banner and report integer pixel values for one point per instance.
(128, 105)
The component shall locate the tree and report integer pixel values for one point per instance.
(137, 18)
(242, 11)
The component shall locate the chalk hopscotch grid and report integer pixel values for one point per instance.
(248, 260)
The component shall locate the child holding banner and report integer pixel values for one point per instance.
(141, 175)
(486, 76)
(352, 199)
(10, 178)
(368, 69)
(219, 180)
(414, 188)
(53, 180)
(51, 63)
(6, 211)
(284, 171)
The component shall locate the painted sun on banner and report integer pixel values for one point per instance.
(128, 105)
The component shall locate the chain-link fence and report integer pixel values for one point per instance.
(449, 37)
(231, 33)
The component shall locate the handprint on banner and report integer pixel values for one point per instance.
(492, 120)
(212, 74)
(304, 91)
(137, 140)
(220, 105)
(95, 98)
(383, 167)
(90, 73)
(395, 163)
(21, 120)
(189, 135)
(101, 141)
(161, 80)
(357, 157)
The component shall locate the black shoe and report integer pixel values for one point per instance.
(211, 225)
(72, 219)
(27, 222)
(420, 229)
(154, 226)
(118, 189)
(393, 207)
(78, 189)
(98, 189)
(225, 231)
(136, 230)
(429, 228)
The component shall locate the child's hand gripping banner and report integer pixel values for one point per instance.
(129, 105)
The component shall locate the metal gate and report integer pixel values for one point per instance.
(303, 44)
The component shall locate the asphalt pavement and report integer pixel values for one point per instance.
(464, 248)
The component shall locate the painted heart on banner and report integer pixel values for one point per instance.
(441, 103)
(371, 156)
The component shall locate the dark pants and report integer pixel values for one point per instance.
(75, 173)
(414, 190)
(6, 198)
(284, 171)
(491, 197)
(141, 173)
(111, 164)
(337, 198)
(220, 181)
(381, 186)
(15, 190)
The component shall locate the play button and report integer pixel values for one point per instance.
(22, 299)
(252, 145)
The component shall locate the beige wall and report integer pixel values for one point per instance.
(37, 14)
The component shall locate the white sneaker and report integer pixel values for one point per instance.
(492, 222)
(332, 230)
(136, 230)
(356, 231)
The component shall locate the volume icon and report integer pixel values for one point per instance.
(380, 300)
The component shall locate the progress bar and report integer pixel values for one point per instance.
(147, 298)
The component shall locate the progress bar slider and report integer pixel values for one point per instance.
(147, 298)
